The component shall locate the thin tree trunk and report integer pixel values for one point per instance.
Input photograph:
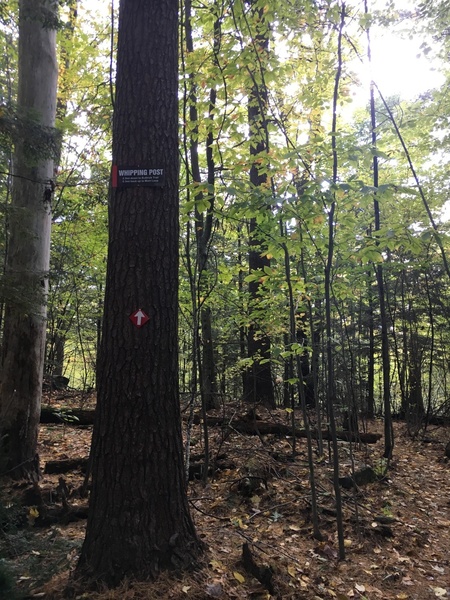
(315, 342)
(258, 383)
(56, 336)
(432, 345)
(385, 357)
(203, 223)
(300, 387)
(328, 284)
(371, 357)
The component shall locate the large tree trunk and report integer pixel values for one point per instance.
(29, 244)
(139, 522)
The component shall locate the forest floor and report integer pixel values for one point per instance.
(397, 529)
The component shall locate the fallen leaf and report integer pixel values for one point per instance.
(214, 590)
(438, 569)
(237, 522)
(292, 571)
(330, 552)
(439, 592)
(238, 577)
(216, 565)
(360, 588)
(33, 514)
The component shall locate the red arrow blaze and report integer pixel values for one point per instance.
(139, 318)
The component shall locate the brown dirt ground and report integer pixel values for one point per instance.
(406, 560)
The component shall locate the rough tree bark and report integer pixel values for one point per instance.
(139, 521)
(27, 262)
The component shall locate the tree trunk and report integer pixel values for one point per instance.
(331, 383)
(27, 262)
(56, 344)
(203, 224)
(209, 384)
(56, 334)
(385, 352)
(370, 404)
(139, 522)
(415, 405)
(258, 384)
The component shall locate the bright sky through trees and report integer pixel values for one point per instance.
(399, 66)
(404, 58)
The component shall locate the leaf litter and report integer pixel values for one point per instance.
(396, 530)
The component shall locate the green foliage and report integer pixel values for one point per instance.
(290, 210)
(24, 128)
(66, 416)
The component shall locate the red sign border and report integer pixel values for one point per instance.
(133, 318)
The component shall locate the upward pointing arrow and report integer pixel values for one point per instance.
(139, 318)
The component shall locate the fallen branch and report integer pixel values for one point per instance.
(76, 417)
(53, 467)
(68, 416)
(262, 574)
(264, 428)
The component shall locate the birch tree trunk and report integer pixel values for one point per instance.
(27, 262)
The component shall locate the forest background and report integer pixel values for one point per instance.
(313, 236)
(299, 76)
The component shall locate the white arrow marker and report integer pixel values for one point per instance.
(139, 318)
